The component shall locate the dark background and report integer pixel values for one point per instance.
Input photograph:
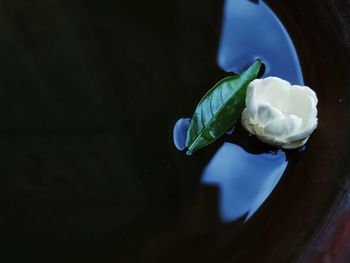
(89, 93)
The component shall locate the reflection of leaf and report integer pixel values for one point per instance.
(219, 109)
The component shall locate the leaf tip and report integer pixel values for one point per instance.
(258, 62)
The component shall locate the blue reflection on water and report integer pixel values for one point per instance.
(180, 133)
(245, 180)
(250, 31)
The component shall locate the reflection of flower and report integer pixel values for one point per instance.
(279, 113)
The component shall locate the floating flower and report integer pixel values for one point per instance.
(279, 113)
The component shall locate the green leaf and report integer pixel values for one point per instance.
(219, 109)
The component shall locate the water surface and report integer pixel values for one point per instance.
(245, 180)
(89, 95)
(250, 31)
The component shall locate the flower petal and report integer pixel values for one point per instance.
(267, 113)
(284, 126)
(307, 91)
(301, 134)
(279, 113)
(247, 122)
(295, 144)
(302, 103)
(272, 90)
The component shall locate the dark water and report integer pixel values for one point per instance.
(250, 31)
(89, 94)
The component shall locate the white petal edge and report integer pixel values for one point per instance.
(295, 144)
(284, 126)
(312, 125)
(272, 90)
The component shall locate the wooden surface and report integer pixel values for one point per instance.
(331, 241)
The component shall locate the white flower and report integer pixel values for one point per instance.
(279, 113)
